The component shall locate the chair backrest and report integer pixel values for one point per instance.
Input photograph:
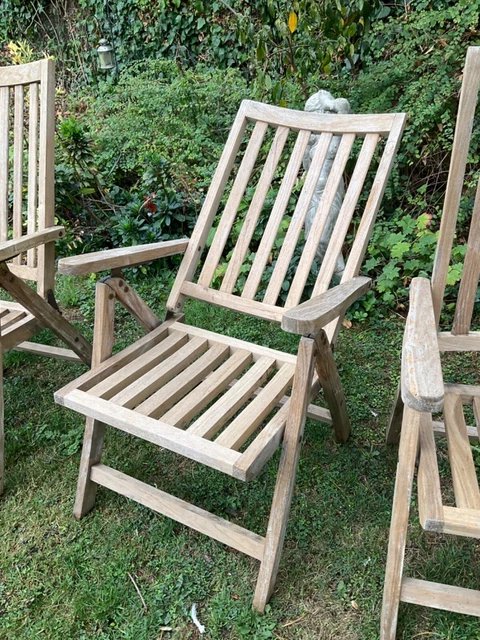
(264, 268)
(27, 124)
(455, 185)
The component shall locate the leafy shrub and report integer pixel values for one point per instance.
(139, 156)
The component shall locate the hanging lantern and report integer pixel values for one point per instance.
(105, 54)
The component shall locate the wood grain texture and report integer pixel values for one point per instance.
(441, 596)
(103, 340)
(217, 528)
(120, 258)
(12, 248)
(398, 527)
(46, 314)
(422, 380)
(287, 470)
(456, 174)
(313, 315)
(465, 483)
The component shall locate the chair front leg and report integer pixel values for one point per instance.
(287, 470)
(94, 430)
(407, 453)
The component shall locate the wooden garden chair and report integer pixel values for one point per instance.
(220, 401)
(424, 393)
(27, 227)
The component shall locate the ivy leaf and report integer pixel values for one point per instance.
(201, 22)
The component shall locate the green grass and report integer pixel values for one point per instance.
(62, 579)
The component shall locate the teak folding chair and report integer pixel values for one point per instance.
(212, 398)
(27, 230)
(424, 393)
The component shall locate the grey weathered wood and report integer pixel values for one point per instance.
(120, 258)
(313, 315)
(327, 373)
(47, 315)
(11, 248)
(207, 396)
(94, 429)
(422, 380)
(424, 392)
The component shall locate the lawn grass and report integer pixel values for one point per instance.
(62, 579)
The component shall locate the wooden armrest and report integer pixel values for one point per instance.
(309, 317)
(120, 258)
(11, 248)
(422, 380)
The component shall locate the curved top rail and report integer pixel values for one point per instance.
(23, 73)
(321, 122)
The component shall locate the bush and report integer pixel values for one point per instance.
(156, 137)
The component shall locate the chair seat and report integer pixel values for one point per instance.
(16, 323)
(462, 517)
(195, 392)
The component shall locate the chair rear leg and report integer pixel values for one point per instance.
(395, 423)
(327, 372)
(94, 430)
(398, 528)
(287, 469)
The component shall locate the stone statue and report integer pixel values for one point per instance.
(324, 102)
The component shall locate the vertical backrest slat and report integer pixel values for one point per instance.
(346, 213)
(18, 164)
(32, 168)
(209, 209)
(364, 230)
(4, 144)
(298, 219)
(461, 143)
(46, 176)
(233, 202)
(320, 220)
(254, 210)
(471, 272)
(265, 193)
(276, 216)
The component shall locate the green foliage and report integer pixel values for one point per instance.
(321, 38)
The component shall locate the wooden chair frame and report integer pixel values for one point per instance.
(27, 227)
(423, 393)
(134, 391)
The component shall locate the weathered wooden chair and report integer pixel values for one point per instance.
(424, 393)
(204, 395)
(27, 230)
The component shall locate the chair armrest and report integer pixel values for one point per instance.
(120, 258)
(309, 317)
(422, 380)
(11, 248)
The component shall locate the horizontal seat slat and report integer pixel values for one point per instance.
(208, 390)
(155, 431)
(114, 384)
(157, 376)
(238, 431)
(164, 398)
(116, 362)
(219, 413)
(256, 350)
